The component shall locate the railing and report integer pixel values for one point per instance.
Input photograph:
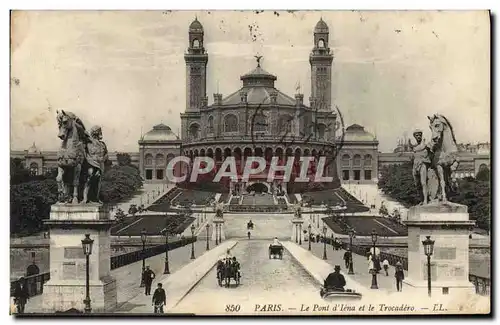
(34, 283)
(482, 285)
(253, 208)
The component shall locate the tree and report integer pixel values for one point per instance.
(123, 159)
(483, 174)
(397, 182)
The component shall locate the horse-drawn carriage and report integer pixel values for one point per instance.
(276, 251)
(339, 294)
(227, 270)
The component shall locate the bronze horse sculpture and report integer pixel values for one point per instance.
(80, 160)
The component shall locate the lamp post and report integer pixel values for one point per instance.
(300, 234)
(374, 272)
(317, 219)
(144, 236)
(351, 266)
(309, 228)
(87, 250)
(428, 249)
(192, 243)
(166, 269)
(208, 227)
(296, 233)
(324, 243)
(216, 234)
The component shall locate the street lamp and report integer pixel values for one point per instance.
(324, 243)
(208, 227)
(216, 234)
(374, 272)
(351, 266)
(144, 236)
(166, 269)
(300, 234)
(87, 250)
(309, 228)
(192, 243)
(428, 249)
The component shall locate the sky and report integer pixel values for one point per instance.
(125, 71)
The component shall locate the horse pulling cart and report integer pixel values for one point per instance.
(227, 270)
(275, 251)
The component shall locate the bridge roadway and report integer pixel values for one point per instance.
(263, 282)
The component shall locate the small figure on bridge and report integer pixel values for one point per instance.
(400, 276)
(250, 225)
(347, 258)
(385, 265)
(149, 276)
(159, 299)
(335, 281)
(248, 234)
(21, 295)
(236, 266)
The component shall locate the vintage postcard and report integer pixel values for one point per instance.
(250, 163)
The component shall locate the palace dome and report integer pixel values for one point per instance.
(160, 132)
(357, 132)
(196, 26)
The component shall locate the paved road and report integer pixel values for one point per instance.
(264, 281)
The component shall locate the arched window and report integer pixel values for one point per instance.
(368, 161)
(230, 123)
(260, 123)
(194, 130)
(357, 160)
(285, 124)
(34, 169)
(148, 160)
(160, 160)
(210, 124)
(321, 43)
(196, 43)
(346, 160)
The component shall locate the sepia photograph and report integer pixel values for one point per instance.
(250, 163)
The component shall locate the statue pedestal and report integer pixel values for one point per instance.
(297, 230)
(66, 287)
(219, 224)
(448, 225)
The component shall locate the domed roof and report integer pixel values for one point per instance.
(196, 26)
(357, 132)
(160, 132)
(321, 27)
(33, 150)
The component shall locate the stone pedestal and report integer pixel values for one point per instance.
(449, 226)
(218, 222)
(66, 287)
(297, 230)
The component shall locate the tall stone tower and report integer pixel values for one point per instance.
(321, 69)
(196, 68)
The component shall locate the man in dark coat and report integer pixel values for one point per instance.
(159, 298)
(347, 258)
(335, 280)
(400, 276)
(21, 295)
(149, 276)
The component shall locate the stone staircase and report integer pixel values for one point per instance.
(266, 226)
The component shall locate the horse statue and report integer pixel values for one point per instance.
(80, 160)
(444, 157)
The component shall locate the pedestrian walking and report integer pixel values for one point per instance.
(385, 265)
(400, 276)
(21, 295)
(159, 299)
(347, 258)
(149, 276)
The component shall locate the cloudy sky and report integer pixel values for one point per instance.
(125, 71)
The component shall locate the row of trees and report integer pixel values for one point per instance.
(31, 196)
(397, 182)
